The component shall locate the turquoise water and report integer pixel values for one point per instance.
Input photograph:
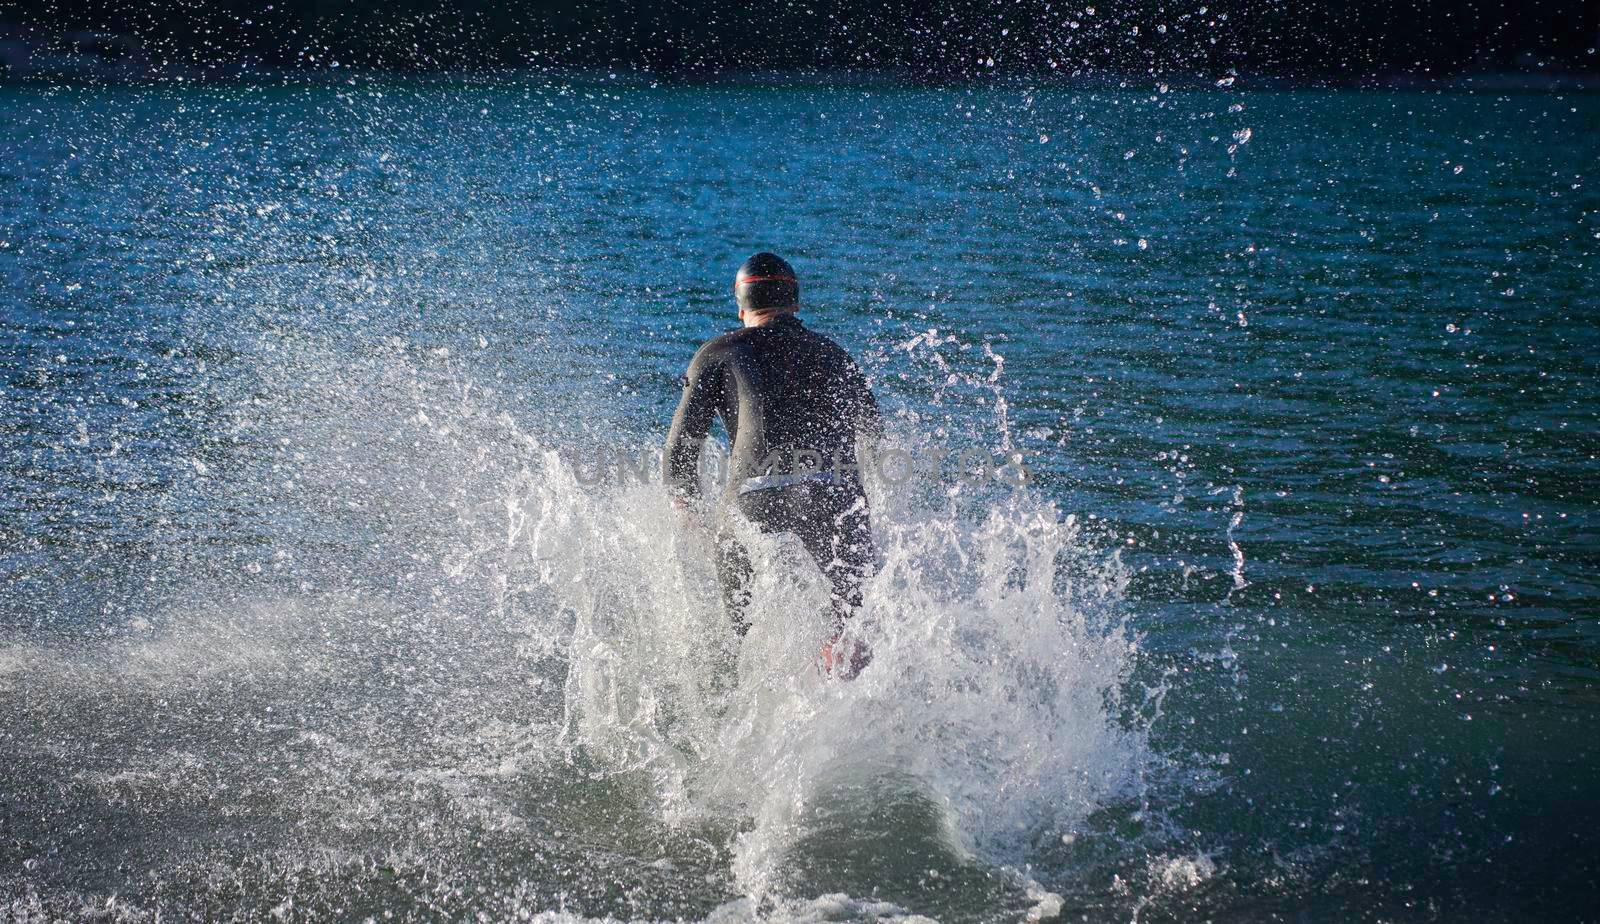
(303, 607)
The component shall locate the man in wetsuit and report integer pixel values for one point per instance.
(793, 403)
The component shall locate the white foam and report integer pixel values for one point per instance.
(994, 694)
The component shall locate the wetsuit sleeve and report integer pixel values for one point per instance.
(869, 421)
(702, 388)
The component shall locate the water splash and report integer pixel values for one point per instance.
(995, 699)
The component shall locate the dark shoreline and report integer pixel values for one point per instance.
(1579, 82)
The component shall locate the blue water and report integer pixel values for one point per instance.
(302, 610)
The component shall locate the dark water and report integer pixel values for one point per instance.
(302, 612)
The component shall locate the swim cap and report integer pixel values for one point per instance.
(765, 281)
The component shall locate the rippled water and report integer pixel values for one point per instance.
(303, 607)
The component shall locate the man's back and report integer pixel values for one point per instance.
(779, 388)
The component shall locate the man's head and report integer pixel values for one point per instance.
(765, 288)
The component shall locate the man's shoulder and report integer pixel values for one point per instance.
(831, 347)
(720, 343)
(716, 351)
(827, 341)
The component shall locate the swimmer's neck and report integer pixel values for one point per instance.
(766, 317)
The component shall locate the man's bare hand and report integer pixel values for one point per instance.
(843, 656)
(689, 519)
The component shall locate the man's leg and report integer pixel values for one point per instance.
(838, 535)
(734, 574)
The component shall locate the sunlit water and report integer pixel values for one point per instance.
(307, 607)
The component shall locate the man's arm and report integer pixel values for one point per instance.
(868, 419)
(690, 426)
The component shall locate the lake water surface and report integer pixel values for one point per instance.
(307, 606)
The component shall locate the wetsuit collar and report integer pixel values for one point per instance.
(782, 320)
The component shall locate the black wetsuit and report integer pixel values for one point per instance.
(793, 402)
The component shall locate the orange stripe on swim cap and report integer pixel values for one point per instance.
(747, 280)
